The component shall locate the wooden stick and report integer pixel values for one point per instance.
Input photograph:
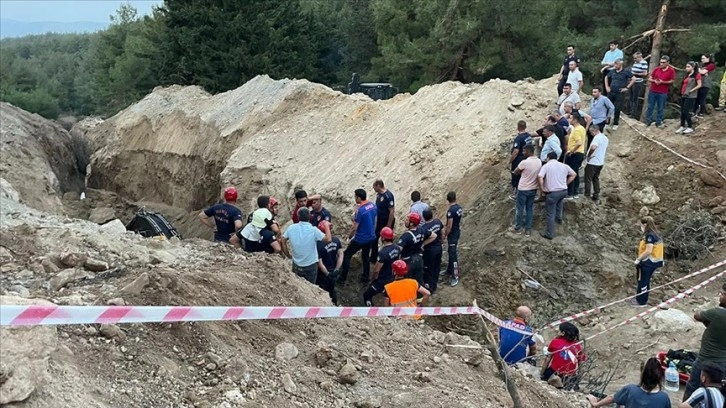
(649, 345)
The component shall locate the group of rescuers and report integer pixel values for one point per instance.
(406, 271)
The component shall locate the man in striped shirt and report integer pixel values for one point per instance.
(640, 72)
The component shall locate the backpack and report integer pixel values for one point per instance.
(151, 224)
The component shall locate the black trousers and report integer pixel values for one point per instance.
(354, 247)
(432, 267)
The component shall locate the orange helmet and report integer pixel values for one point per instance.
(415, 218)
(387, 234)
(400, 268)
(230, 194)
(322, 224)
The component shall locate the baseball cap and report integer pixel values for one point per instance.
(259, 217)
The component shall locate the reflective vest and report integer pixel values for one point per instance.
(403, 292)
(656, 255)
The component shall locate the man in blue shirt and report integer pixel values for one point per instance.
(418, 206)
(601, 109)
(608, 60)
(513, 346)
(330, 259)
(303, 238)
(412, 242)
(362, 235)
(383, 271)
(517, 155)
(452, 233)
(227, 217)
(386, 217)
(432, 251)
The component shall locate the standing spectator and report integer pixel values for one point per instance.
(585, 119)
(515, 346)
(386, 213)
(551, 143)
(601, 110)
(568, 95)
(560, 132)
(574, 77)
(330, 259)
(227, 219)
(575, 154)
(522, 139)
(647, 394)
(707, 66)
(317, 211)
(618, 83)
(660, 81)
(301, 200)
(650, 258)
(713, 391)
(528, 170)
(595, 161)
(362, 235)
(640, 72)
(303, 238)
(608, 60)
(689, 92)
(562, 77)
(452, 233)
(564, 355)
(418, 206)
(713, 342)
(432, 251)
(553, 180)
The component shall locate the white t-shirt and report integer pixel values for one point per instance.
(573, 78)
(601, 146)
(572, 97)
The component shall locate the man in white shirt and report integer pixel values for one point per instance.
(595, 162)
(574, 77)
(553, 179)
(568, 96)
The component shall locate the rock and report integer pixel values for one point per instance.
(555, 381)
(715, 202)
(21, 290)
(423, 377)
(367, 356)
(718, 210)
(710, 177)
(8, 192)
(67, 276)
(288, 385)
(112, 332)
(285, 351)
(161, 256)
(5, 256)
(370, 402)
(73, 259)
(323, 354)
(24, 355)
(644, 211)
(235, 397)
(116, 302)
(114, 228)
(213, 358)
(646, 195)
(49, 266)
(135, 287)
(623, 153)
(673, 321)
(102, 215)
(516, 101)
(95, 265)
(529, 370)
(348, 374)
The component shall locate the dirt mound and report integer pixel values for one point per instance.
(37, 159)
(304, 363)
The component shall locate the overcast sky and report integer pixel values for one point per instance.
(68, 11)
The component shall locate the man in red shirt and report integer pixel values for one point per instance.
(301, 200)
(660, 82)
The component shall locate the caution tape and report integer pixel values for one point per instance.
(597, 309)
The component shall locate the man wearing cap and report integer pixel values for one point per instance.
(382, 272)
(317, 211)
(412, 242)
(227, 217)
(330, 259)
(257, 235)
(432, 251)
(303, 238)
(514, 346)
(362, 235)
(553, 179)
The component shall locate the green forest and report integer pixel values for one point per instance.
(221, 44)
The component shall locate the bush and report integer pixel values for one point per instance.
(37, 101)
(690, 235)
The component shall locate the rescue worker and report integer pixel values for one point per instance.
(432, 252)
(227, 217)
(412, 242)
(382, 271)
(386, 213)
(257, 235)
(317, 211)
(452, 232)
(330, 259)
(403, 291)
(362, 235)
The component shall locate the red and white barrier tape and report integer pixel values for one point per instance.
(597, 309)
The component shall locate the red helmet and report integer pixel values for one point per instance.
(400, 268)
(415, 218)
(387, 234)
(273, 202)
(322, 224)
(230, 194)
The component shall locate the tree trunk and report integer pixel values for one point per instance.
(655, 50)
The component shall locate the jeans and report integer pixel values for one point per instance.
(328, 285)
(574, 160)
(592, 180)
(656, 101)
(354, 247)
(432, 266)
(310, 273)
(376, 287)
(525, 202)
(452, 268)
(553, 204)
(686, 108)
(700, 106)
(644, 272)
(415, 268)
(635, 98)
(618, 99)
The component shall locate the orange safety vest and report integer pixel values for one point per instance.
(403, 293)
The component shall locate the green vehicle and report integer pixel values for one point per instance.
(374, 90)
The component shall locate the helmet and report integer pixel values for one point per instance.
(321, 225)
(273, 202)
(230, 194)
(387, 234)
(400, 268)
(415, 218)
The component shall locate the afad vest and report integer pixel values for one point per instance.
(403, 293)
